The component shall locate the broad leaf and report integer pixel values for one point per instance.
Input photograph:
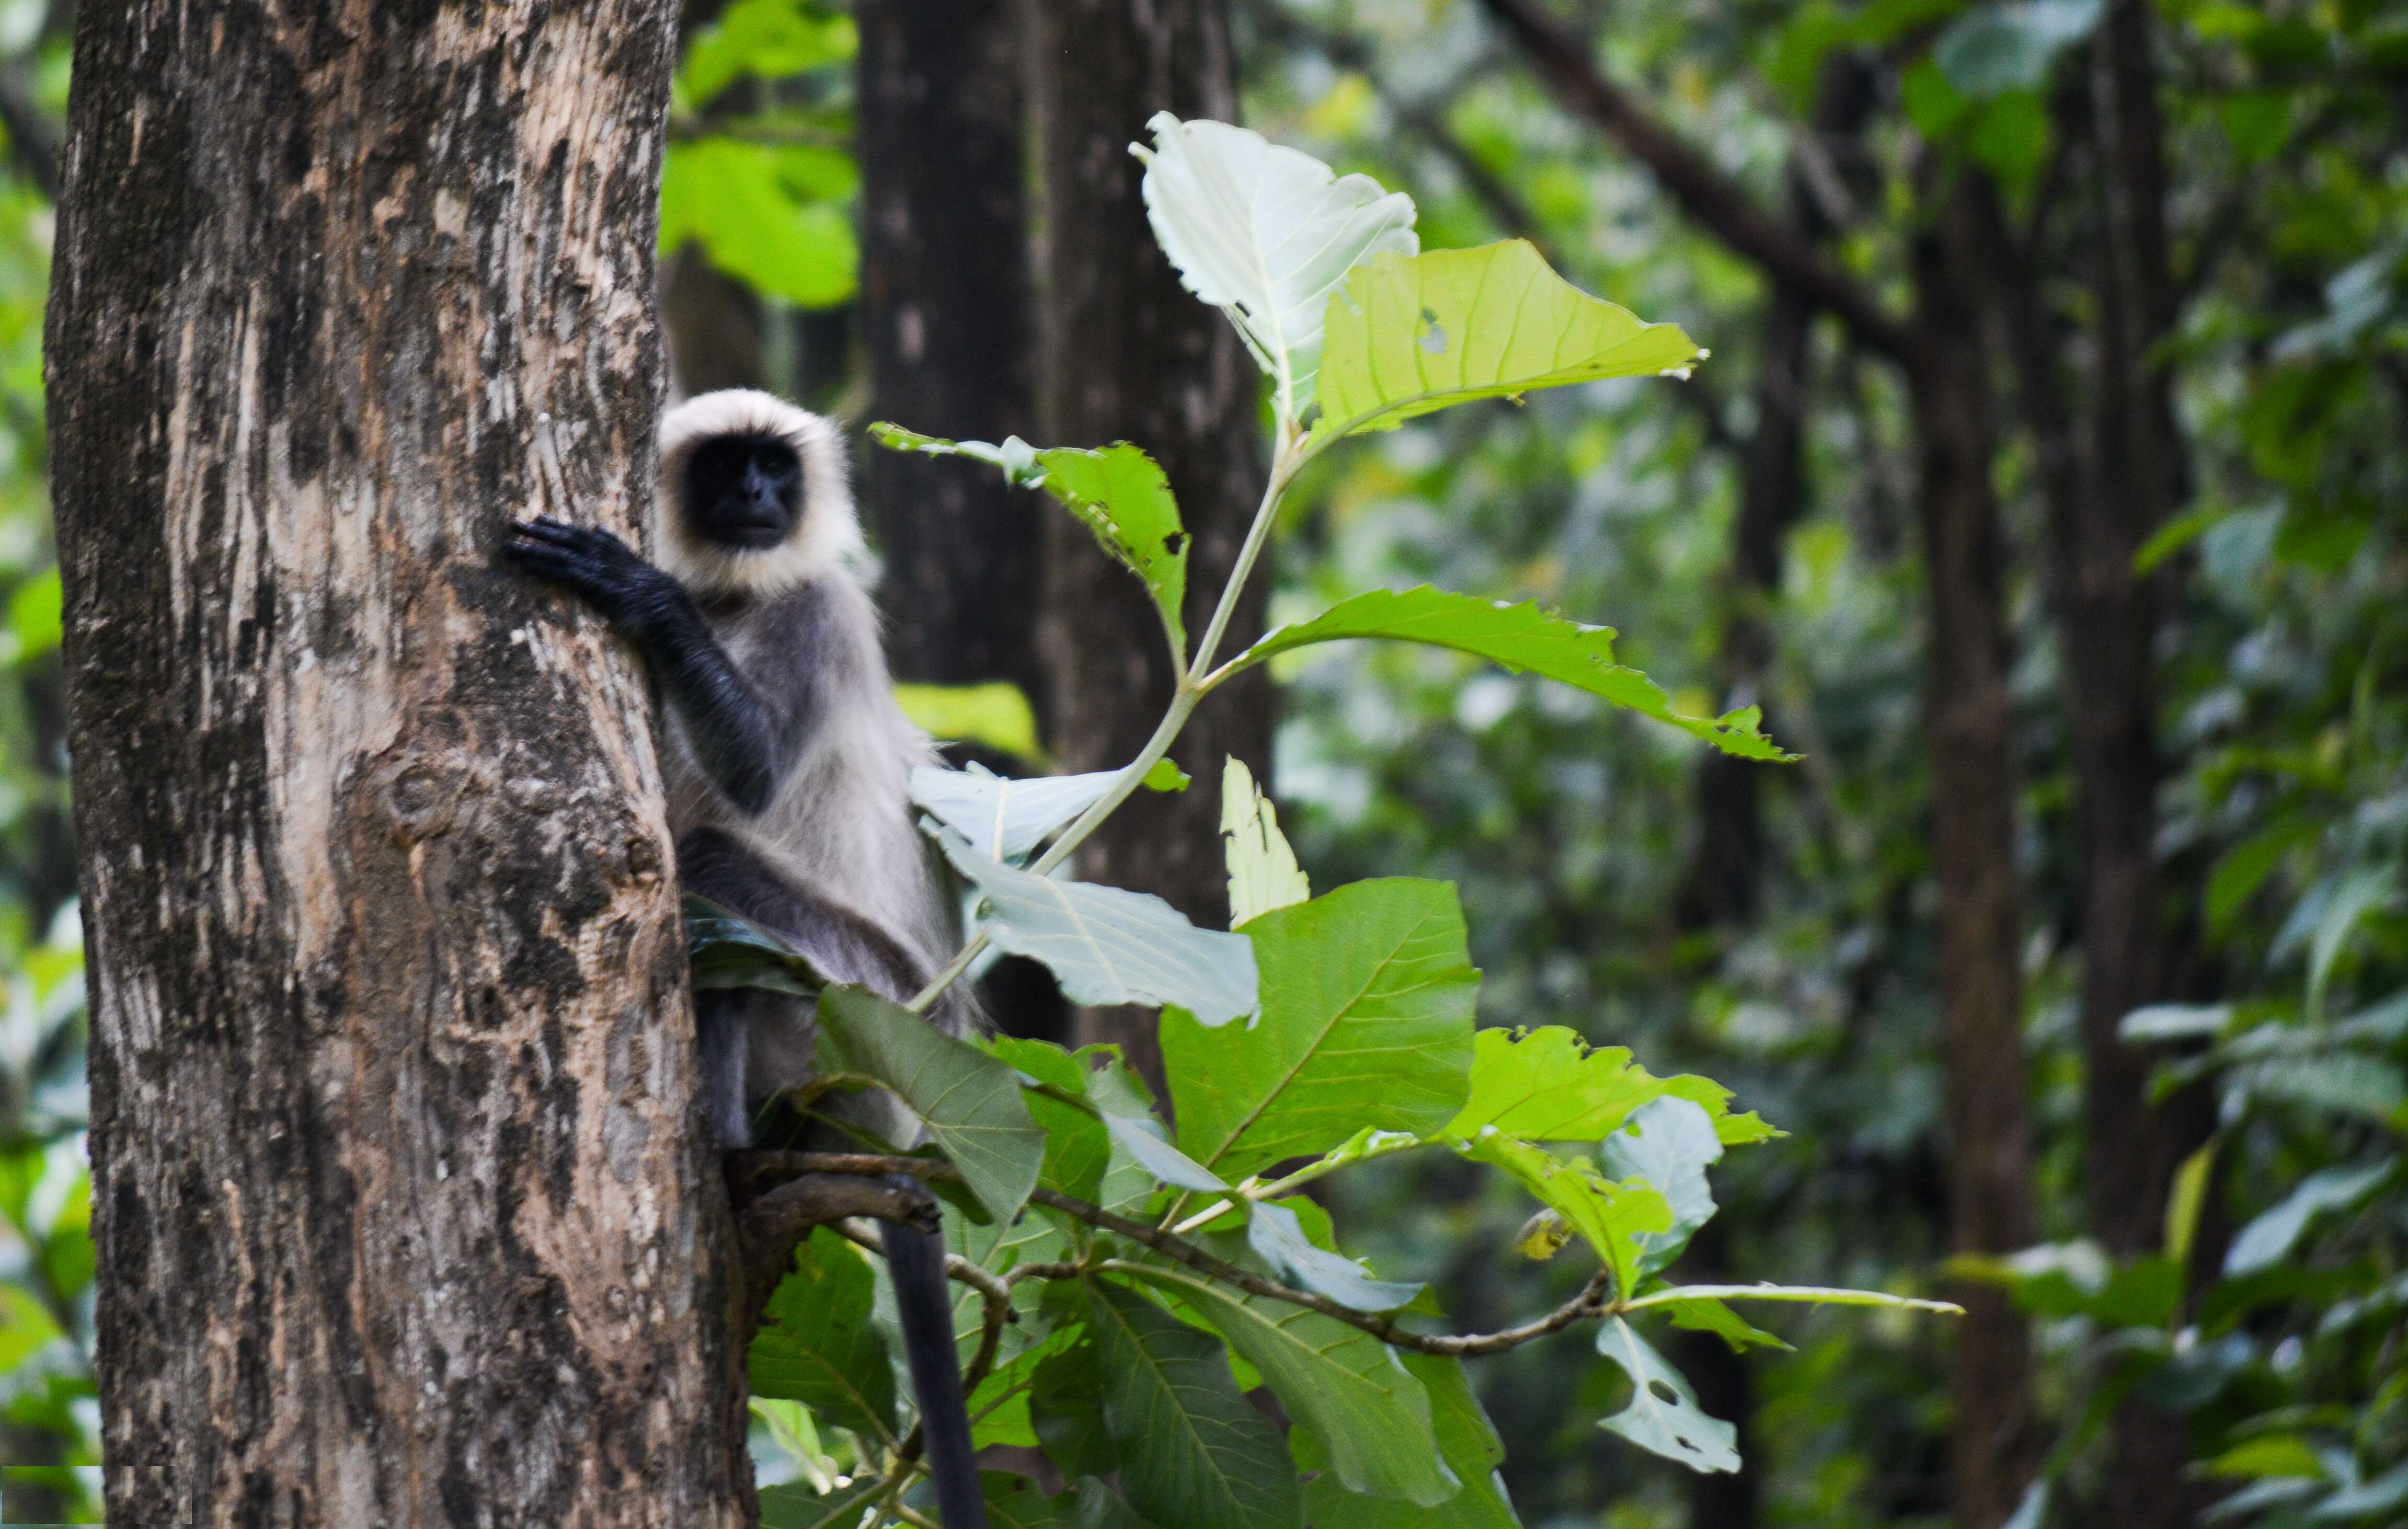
(764, 213)
(726, 949)
(1668, 1142)
(1340, 1382)
(1615, 1217)
(1366, 998)
(1065, 1397)
(996, 714)
(1263, 872)
(1078, 1149)
(1002, 818)
(969, 1101)
(1013, 1501)
(818, 1345)
(1409, 333)
(1465, 1441)
(1265, 234)
(1275, 1234)
(1120, 494)
(1142, 1137)
(2267, 1239)
(1521, 637)
(796, 1506)
(1663, 1415)
(1547, 1085)
(1107, 946)
(1193, 1453)
(770, 39)
(1996, 49)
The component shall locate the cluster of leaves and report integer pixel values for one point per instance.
(1130, 1284)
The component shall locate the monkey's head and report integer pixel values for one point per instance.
(753, 495)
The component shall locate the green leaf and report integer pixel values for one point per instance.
(1340, 1382)
(1165, 776)
(726, 949)
(1613, 1216)
(1278, 1238)
(2268, 1239)
(2244, 868)
(1701, 1314)
(35, 616)
(751, 206)
(1015, 458)
(795, 1505)
(1367, 1012)
(1411, 333)
(1001, 818)
(1466, 1442)
(1065, 1397)
(818, 1345)
(1107, 946)
(1263, 872)
(1547, 1085)
(995, 714)
(1077, 1147)
(1996, 49)
(770, 39)
(1521, 637)
(1669, 1143)
(1193, 1453)
(1014, 1503)
(1265, 234)
(1663, 1415)
(1120, 494)
(2187, 1199)
(969, 1101)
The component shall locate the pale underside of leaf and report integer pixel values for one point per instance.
(1263, 872)
(1006, 819)
(1663, 1415)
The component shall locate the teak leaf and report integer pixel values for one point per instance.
(818, 1345)
(1340, 1382)
(1409, 333)
(1192, 1450)
(1521, 637)
(1107, 946)
(969, 1101)
(1663, 1415)
(1615, 1216)
(1547, 1085)
(1367, 1013)
(1465, 1441)
(1265, 234)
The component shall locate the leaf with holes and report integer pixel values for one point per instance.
(1106, 945)
(1409, 333)
(1663, 1415)
(1522, 637)
(1120, 494)
(1265, 234)
(1615, 1217)
(1367, 1012)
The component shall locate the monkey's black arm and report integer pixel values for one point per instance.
(745, 741)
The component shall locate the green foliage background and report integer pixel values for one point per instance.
(1566, 824)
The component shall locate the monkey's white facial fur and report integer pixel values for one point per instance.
(827, 537)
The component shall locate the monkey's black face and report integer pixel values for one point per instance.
(743, 491)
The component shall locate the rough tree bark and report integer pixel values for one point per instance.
(1124, 353)
(399, 1218)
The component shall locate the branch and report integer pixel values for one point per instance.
(1711, 197)
(1590, 1302)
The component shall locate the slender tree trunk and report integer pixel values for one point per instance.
(1124, 353)
(400, 1218)
(1969, 721)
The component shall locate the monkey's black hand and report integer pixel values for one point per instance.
(595, 565)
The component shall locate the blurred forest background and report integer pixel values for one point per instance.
(2045, 489)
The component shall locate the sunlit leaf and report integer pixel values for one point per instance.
(1522, 637)
(1120, 494)
(752, 207)
(1367, 1013)
(1409, 333)
(770, 39)
(1263, 872)
(1546, 1084)
(995, 714)
(1615, 1217)
(1264, 234)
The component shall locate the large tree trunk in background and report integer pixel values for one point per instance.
(1126, 353)
(1993, 1447)
(714, 326)
(400, 1216)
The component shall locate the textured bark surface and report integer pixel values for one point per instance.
(1993, 1442)
(1124, 353)
(399, 1220)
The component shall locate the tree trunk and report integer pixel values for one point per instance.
(400, 1216)
(945, 311)
(1126, 353)
(1968, 718)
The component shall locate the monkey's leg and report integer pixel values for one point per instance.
(916, 1261)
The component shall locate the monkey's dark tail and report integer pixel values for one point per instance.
(916, 1262)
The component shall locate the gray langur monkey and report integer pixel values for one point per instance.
(788, 765)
